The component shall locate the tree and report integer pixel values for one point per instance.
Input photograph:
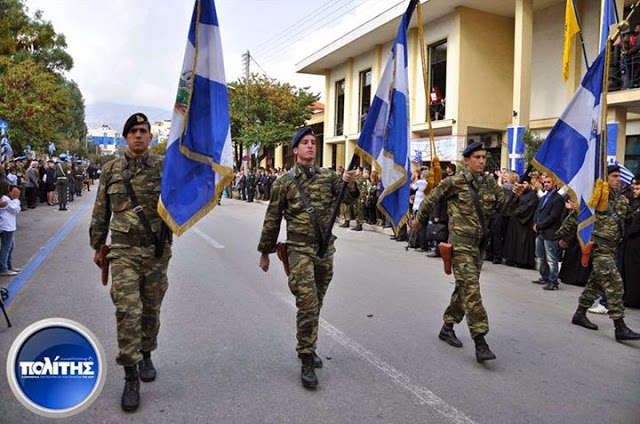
(24, 38)
(266, 111)
(34, 102)
(159, 148)
(532, 142)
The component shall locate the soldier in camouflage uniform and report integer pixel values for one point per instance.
(608, 232)
(79, 178)
(350, 211)
(358, 207)
(309, 275)
(138, 266)
(62, 181)
(468, 234)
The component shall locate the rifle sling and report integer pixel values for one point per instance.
(126, 179)
(476, 203)
(309, 209)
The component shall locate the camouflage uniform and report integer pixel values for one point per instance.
(62, 183)
(309, 275)
(469, 244)
(139, 279)
(79, 179)
(607, 235)
(358, 207)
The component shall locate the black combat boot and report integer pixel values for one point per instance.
(317, 362)
(580, 318)
(358, 227)
(623, 332)
(147, 371)
(483, 353)
(345, 224)
(131, 393)
(551, 285)
(448, 335)
(308, 373)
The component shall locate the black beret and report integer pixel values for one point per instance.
(473, 147)
(301, 133)
(613, 168)
(135, 119)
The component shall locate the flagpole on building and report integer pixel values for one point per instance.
(584, 50)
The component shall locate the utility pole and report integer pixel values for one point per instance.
(246, 68)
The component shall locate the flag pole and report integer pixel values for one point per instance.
(584, 50)
(324, 243)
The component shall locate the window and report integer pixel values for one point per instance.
(632, 154)
(438, 79)
(365, 96)
(339, 129)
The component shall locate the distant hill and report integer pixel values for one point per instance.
(114, 114)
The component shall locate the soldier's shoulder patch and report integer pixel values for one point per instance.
(110, 165)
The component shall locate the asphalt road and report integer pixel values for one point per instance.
(226, 349)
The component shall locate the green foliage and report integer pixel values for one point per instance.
(266, 111)
(532, 142)
(34, 102)
(158, 149)
(25, 38)
(37, 100)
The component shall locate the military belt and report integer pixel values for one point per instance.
(599, 241)
(301, 238)
(131, 240)
(457, 239)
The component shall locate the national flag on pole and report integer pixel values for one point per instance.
(609, 17)
(570, 151)
(626, 176)
(571, 28)
(384, 138)
(198, 161)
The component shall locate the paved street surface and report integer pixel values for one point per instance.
(226, 349)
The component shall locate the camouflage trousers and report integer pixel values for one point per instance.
(309, 278)
(139, 283)
(62, 186)
(604, 279)
(466, 299)
(355, 211)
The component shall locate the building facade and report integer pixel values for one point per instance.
(494, 68)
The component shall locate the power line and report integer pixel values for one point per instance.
(277, 47)
(297, 24)
(265, 72)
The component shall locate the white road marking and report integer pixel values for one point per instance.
(208, 239)
(425, 395)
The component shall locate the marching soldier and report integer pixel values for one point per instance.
(472, 200)
(126, 205)
(358, 207)
(305, 197)
(608, 232)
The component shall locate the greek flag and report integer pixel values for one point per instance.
(384, 138)
(198, 162)
(626, 176)
(570, 151)
(609, 17)
(6, 152)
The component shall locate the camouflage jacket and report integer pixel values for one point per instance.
(363, 187)
(609, 225)
(463, 217)
(113, 209)
(61, 170)
(323, 188)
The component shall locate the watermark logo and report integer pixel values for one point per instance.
(56, 367)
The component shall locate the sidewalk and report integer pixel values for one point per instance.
(35, 227)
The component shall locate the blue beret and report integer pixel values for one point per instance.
(613, 168)
(473, 147)
(63, 156)
(301, 133)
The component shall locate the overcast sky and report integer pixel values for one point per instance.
(131, 52)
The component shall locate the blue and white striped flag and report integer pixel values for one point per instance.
(570, 151)
(198, 162)
(609, 17)
(626, 176)
(6, 152)
(385, 135)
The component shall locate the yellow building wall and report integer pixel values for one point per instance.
(485, 69)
